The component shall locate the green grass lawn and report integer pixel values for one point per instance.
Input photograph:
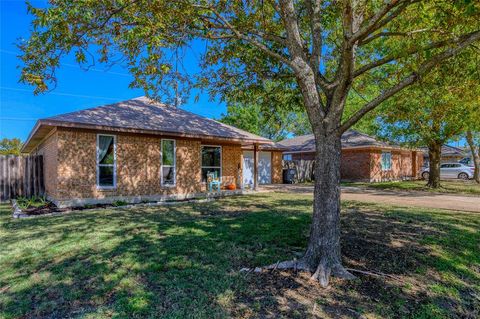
(448, 186)
(183, 261)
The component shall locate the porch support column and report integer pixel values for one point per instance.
(255, 166)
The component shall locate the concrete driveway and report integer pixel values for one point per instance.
(399, 198)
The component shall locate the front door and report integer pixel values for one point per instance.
(248, 169)
(264, 168)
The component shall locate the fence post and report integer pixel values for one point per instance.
(21, 176)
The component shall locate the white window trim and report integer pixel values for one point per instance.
(381, 161)
(202, 167)
(114, 163)
(174, 163)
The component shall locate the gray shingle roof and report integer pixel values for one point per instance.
(142, 115)
(350, 139)
(145, 114)
(447, 150)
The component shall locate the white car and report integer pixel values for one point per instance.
(452, 170)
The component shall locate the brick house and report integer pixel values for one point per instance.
(449, 154)
(140, 150)
(364, 158)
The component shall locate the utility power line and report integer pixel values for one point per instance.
(63, 94)
(16, 119)
(77, 66)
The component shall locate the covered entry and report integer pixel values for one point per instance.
(264, 168)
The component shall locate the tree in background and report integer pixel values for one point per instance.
(321, 48)
(434, 110)
(473, 141)
(268, 109)
(273, 125)
(10, 146)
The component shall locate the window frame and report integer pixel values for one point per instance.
(289, 155)
(389, 168)
(174, 163)
(114, 165)
(201, 160)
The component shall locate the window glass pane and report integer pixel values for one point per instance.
(386, 161)
(210, 156)
(205, 171)
(105, 149)
(168, 175)
(105, 176)
(168, 152)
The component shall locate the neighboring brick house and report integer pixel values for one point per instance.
(142, 150)
(363, 157)
(449, 154)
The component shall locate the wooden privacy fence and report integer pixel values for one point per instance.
(304, 169)
(21, 176)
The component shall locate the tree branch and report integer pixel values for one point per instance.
(391, 58)
(242, 36)
(412, 78)
(391, 34)
(375, 22)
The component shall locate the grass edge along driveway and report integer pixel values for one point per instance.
(183, 261)
(469, 187)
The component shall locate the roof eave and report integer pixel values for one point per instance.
(55, 123)
(367, 147)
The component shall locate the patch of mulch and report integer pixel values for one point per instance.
(45, 209)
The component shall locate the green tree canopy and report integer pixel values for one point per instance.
(435, 110)
(10, 146)
(323, 49)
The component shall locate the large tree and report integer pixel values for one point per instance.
(320, 47)
(435, 110)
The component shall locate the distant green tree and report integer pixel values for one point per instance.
(473, 141)
(272, 109)
(273, 125)
(435, 110)
(10, 146)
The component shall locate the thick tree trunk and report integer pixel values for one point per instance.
(475, 156)
(323, 252)
(434, 153)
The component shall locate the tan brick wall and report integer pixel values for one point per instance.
(277, 169)
(231, 165)
(138, 166)
(49, 150)
(76, 164)
(402, 166)
(365, 164)
(355, 165)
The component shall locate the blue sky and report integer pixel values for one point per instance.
(76, 89)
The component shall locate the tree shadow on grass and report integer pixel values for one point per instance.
(183, 261)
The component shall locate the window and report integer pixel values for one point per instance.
(386, 161)
(211, 161)
(287, 157)
(106, 161)
(169, 161)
